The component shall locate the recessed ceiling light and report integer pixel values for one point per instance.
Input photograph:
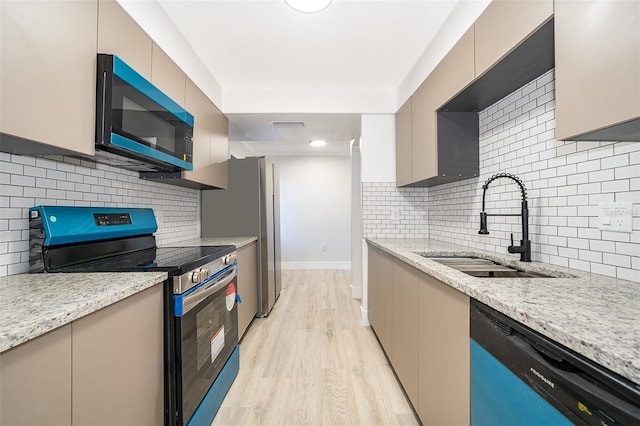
(308, 6)
(317, 143)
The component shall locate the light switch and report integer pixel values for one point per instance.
(616, 217)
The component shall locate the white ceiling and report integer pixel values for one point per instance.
(262, 59)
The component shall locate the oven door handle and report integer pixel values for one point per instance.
(192, 300)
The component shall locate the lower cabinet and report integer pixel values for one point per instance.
(423, 326)
(247, 286)
(35, 381)
(118, 363)
(106, 368)
(445, 357)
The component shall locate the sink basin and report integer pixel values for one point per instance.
(484, 268)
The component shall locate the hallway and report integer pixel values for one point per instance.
(311, 362)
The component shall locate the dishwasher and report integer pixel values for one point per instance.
(519, 377)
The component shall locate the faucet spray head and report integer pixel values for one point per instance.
(483, 224)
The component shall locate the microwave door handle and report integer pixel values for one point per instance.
(190, 301)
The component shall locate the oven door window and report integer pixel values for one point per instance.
(206, 336)
(137, 117)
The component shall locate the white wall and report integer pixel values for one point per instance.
(378, 164)
(315, 210)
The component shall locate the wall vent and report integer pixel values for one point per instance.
(287, 124)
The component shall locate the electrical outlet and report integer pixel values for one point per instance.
(616, 217)
(323, 247)
(395, 214)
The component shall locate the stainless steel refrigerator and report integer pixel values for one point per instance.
(250, 206)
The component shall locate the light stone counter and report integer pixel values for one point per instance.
(594, 315)
(34, 304)
(221, 241)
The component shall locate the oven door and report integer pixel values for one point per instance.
(206, 330)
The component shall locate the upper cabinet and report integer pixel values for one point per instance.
(403, 144)
(48, 77)
(509, 45)
(597, 45)
(167, 76)
(516, 20)
(119, 34)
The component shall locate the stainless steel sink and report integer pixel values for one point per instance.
(484, 268)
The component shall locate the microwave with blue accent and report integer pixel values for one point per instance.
(135, 119)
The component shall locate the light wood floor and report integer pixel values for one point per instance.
(312, 363)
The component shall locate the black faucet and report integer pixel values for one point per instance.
(525, 245)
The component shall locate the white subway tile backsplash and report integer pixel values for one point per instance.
(55, 180)
(565, 183)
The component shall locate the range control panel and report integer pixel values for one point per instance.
(110, 219)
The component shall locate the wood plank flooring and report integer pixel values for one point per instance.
(312, 363)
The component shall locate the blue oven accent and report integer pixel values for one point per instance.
(68, 225)
(128, 74)
(146, 151)
(178, 299)
(211, 402)
(499, 397)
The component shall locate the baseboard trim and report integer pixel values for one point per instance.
(316, 265)
(365, 316)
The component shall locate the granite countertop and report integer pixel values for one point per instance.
(594, 315)
(216, 241)
(34, 304)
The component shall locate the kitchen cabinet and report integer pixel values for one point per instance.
(119, 34)
(504, 25)
(118, 363)
(372, 288)
(210, 145)
(48, 77)
(404, 174)
(405, 325)
(441, 147)
(597, 46)
(35, 381)
(167, 76)
(247, 285)
(444, 348)
(386, 295)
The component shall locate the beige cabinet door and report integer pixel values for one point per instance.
(247, 286)
(454, 72)
(119, 34)
(504, 25)
(118, 363)
(48, 76)
(597, 46)
(167, 76)
(210, 140)
(424, 146)
(403, 145)
(373, 288)
(385, 301)
(35, 381)
(405, 327)
(444, 367)
(219, 157)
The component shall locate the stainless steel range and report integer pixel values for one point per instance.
(201, 355)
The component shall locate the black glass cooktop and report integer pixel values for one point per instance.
(174, 260)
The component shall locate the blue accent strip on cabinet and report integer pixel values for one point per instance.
(66, 225)
(208, 408)
(128, 74)
(141, 149)
(499, 397)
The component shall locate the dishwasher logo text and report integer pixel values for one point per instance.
(541, 377)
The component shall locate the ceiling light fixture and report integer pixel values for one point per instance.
(308, 6)
(317, 143)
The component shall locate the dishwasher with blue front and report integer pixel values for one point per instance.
(519, 377)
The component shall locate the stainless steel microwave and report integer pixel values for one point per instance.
(136, 120)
